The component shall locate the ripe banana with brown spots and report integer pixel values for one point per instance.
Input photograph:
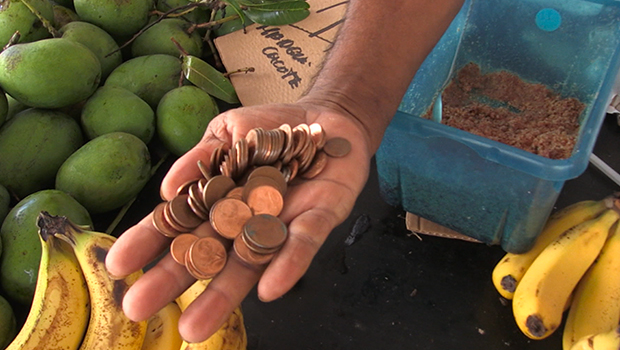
(541, 296)
(60, 309)
(509, 271)
(108, 327)
(232, 334)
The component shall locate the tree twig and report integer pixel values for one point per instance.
(50, 28)
(148, 26)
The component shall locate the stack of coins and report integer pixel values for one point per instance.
(241, 193)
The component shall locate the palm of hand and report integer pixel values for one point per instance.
(312, 209)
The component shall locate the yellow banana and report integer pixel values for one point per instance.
(511, 268)
(596, 302)
(162, 331)
(192, 293)
(609, 340)
(541, 296)
(108, 327)
(231, 336)
(60, 308)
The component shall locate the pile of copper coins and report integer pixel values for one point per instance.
(240, 195)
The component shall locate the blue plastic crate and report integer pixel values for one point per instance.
(482, 188)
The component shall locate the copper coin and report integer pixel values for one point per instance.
(272, 173)
(263, 196)
(255, 138)
(317, 165)
(216, 188)
(183, 213)
(206, 173)
(179, 246)
(286, 172)
(289, 144)
(216, 158)
(277, 139)
(265, 231)
(169, 218)
(306, 157)
(196, 202)
(225, 168)
(184, 188)
(256, 249)
(236, 193)
(189, 266)
(208, 256)
(198, 208)
(161, 224)
(228, 215)
(294, 166)
(249, 256)
(337, 147)
(232, 161)
(241, 147)
(300, 139)
(318, 134)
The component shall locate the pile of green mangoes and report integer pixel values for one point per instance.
(91, 93)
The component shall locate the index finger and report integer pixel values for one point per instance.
(186, 167)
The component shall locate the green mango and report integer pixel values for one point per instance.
(149, 77)
(64, 15)
(182, 117)
(5, 206)
(98, 41)
(4, 107)
(157, 39)
(113, 108)
(49, 73)
(107, 172)
(33, 146)
(119, 18)
(8, 323)
(21, 248)
(14, 106)
(16, 16)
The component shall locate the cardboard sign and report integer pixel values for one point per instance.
(418, 224)
(285, 59)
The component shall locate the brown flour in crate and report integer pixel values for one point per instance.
(502, 107)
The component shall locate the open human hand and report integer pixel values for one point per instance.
(312, 209)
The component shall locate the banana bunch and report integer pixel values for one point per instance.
(609, 340)
(231, 336)
(77, 305)
(61, 306)
(163, 334)
(574, 265)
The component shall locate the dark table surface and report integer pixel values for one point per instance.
(393, 290)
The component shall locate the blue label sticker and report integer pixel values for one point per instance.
(548, 19)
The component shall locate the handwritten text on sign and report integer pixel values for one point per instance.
(272, 53)
(285, 58)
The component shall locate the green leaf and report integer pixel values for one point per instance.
(235, 6)
(276, 13)
(232, 25)
(212, 81)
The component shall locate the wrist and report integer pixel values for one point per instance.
(370, 116)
